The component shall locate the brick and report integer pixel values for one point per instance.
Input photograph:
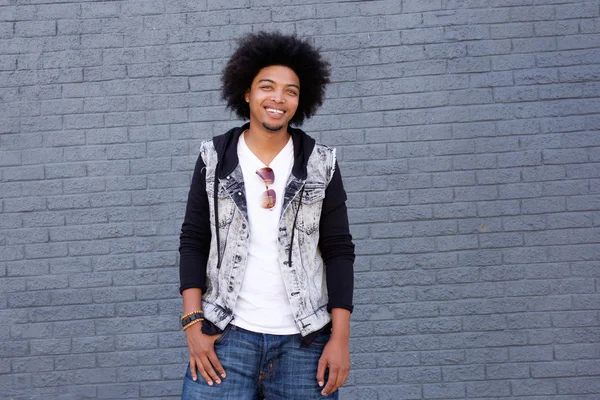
(30, 331)
(107, 168)
(476, 193)
(507, 371)
(523, 321)
(485, 389)
(50, 346)
(104, 73)
(578, 385)
(133, 342)
(536, 13)
(72, 362)
(24, 236)
(428, 196)
(512, 30)
(439, 325)
(120, 391)
(534, 387)
(430, 164)
(469, 64)
(67, 297)
(33, 364)
(459, 210)
(84, 186)
(10, 158)
(413, 181)
(484, 339)
(585, 301)
(129, 310)
(27, 268)
(108, 294)
(447, 357)
(497, 176)
(489, 355)
(14, 349)
(70, 170)
(162, 356)
(484, 323)
(580, 318)
(444, 179)
(491, 79)
(47, 282)
(573, 252)
(24, 173)
(35, 28)
(45, 250)
(553, 370)
(10, 221)
(160, 389)
(444, 391)
(77, 153)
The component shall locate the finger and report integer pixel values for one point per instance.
(193, 369)
(321, 372)
(341, 379)
(346, 375)
(203, 373)
(208, 367)
(214, 360)
(333, 373)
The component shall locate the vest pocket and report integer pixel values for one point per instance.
(310, 207)
(313, 192)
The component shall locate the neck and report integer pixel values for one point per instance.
(266, 144)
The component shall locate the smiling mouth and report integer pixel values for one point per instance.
(274, 111)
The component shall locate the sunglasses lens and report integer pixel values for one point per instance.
(268, 199)
(267, 175)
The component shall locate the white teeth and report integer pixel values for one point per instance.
(274, 111)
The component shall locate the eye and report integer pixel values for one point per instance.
(292, 92)
(266, 87)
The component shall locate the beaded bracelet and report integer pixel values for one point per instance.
(189, 318)
(193, 323)
(192, 313)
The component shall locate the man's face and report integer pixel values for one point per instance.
(273, 97)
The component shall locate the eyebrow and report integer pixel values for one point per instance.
(272, 81)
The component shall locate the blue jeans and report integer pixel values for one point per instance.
(262, 366)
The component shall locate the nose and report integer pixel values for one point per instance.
(278, 96)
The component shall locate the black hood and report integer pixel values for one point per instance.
(226, 147)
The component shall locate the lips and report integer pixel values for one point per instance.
(274, 112)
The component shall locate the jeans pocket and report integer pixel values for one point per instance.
(320, 341)
(223, 334)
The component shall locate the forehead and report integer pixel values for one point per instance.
(278, 74)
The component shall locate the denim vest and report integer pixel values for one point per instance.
(300, 260)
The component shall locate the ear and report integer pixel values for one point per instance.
(247, 96)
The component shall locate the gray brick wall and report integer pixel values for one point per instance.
(468, 136)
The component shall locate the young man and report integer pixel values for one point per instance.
(266, 255)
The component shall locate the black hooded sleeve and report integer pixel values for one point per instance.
(194, 241)
(335, 243)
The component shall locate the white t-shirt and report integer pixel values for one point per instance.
(262, 304)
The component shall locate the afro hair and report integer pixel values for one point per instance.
(263, 49)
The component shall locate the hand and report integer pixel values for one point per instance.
(202, 355)
(336, 358)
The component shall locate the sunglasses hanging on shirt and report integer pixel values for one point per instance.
(268, 198)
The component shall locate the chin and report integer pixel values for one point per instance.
(272, 128)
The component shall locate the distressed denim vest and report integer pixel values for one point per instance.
(300, 260)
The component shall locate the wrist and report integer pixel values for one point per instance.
(193, 329)
(340, 335)
(340, 324)
(192, 318)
